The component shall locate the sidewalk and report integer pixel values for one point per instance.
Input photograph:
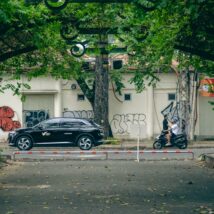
(132, 144)
(148, 144)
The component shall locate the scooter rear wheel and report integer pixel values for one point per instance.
(157, 145)
(183, 145)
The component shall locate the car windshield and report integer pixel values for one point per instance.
(95, 124)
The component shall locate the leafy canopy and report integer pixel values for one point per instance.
(180, 30)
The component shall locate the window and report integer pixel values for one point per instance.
(54, 123)
(67, 124)
(117, 64)
(171, 96)
(86, 66)
(80, 97)
(127, 97)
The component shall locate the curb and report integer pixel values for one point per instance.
(209, 160)
(6, 156)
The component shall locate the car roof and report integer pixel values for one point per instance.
(70, 118)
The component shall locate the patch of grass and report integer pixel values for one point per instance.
(1, 155)
(112, 141)
(2, 160)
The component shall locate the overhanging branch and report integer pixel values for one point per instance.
(201, 53)
(11, 54)
(89, 93)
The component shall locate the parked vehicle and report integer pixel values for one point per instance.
(180, 141)
(78, 132)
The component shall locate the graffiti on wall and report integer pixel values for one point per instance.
(33, 117)
(121, 123)
(86, 114)
(6, 119)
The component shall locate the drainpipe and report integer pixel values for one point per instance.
(192, 118)
(150, 114)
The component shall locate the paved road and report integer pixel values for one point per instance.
(93, 187)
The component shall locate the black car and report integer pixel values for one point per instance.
(78, 132)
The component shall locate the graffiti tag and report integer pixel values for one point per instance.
(33, 117)
(121, 123)
(6, 121)
(86, 114)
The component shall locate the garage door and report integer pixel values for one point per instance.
(37, 107)
(206, 118)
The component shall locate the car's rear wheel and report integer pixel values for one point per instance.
(85, 142)
(24, 143)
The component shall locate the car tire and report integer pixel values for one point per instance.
(24, 143)
(157, 145)
(85, 142)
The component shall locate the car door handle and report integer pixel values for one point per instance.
(68, 133)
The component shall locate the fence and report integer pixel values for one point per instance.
(106, 153)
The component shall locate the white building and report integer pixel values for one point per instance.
(55, 98)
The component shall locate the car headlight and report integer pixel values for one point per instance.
(101, 133)
(12, 133)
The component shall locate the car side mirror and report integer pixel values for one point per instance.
(39, 126)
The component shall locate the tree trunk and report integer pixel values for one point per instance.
(101, 98)
(184, 101)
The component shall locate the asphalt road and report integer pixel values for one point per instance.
(122, 187)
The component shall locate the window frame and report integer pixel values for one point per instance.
(78, 97)
(127, 94)
(171, 94)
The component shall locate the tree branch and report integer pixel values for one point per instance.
(203, 54)
(86, 90)
(11, 54)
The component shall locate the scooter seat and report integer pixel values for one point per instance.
(179, 136)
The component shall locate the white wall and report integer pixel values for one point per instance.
(206, 117)
(42, 85)
(14, 102)
(45, 85)
(147, 104)
(69, 97)
(123, 115)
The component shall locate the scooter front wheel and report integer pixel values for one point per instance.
(157, 145)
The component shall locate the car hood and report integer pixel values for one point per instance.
(23, 130)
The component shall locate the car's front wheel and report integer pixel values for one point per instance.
(24, 143)
(85, 142)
